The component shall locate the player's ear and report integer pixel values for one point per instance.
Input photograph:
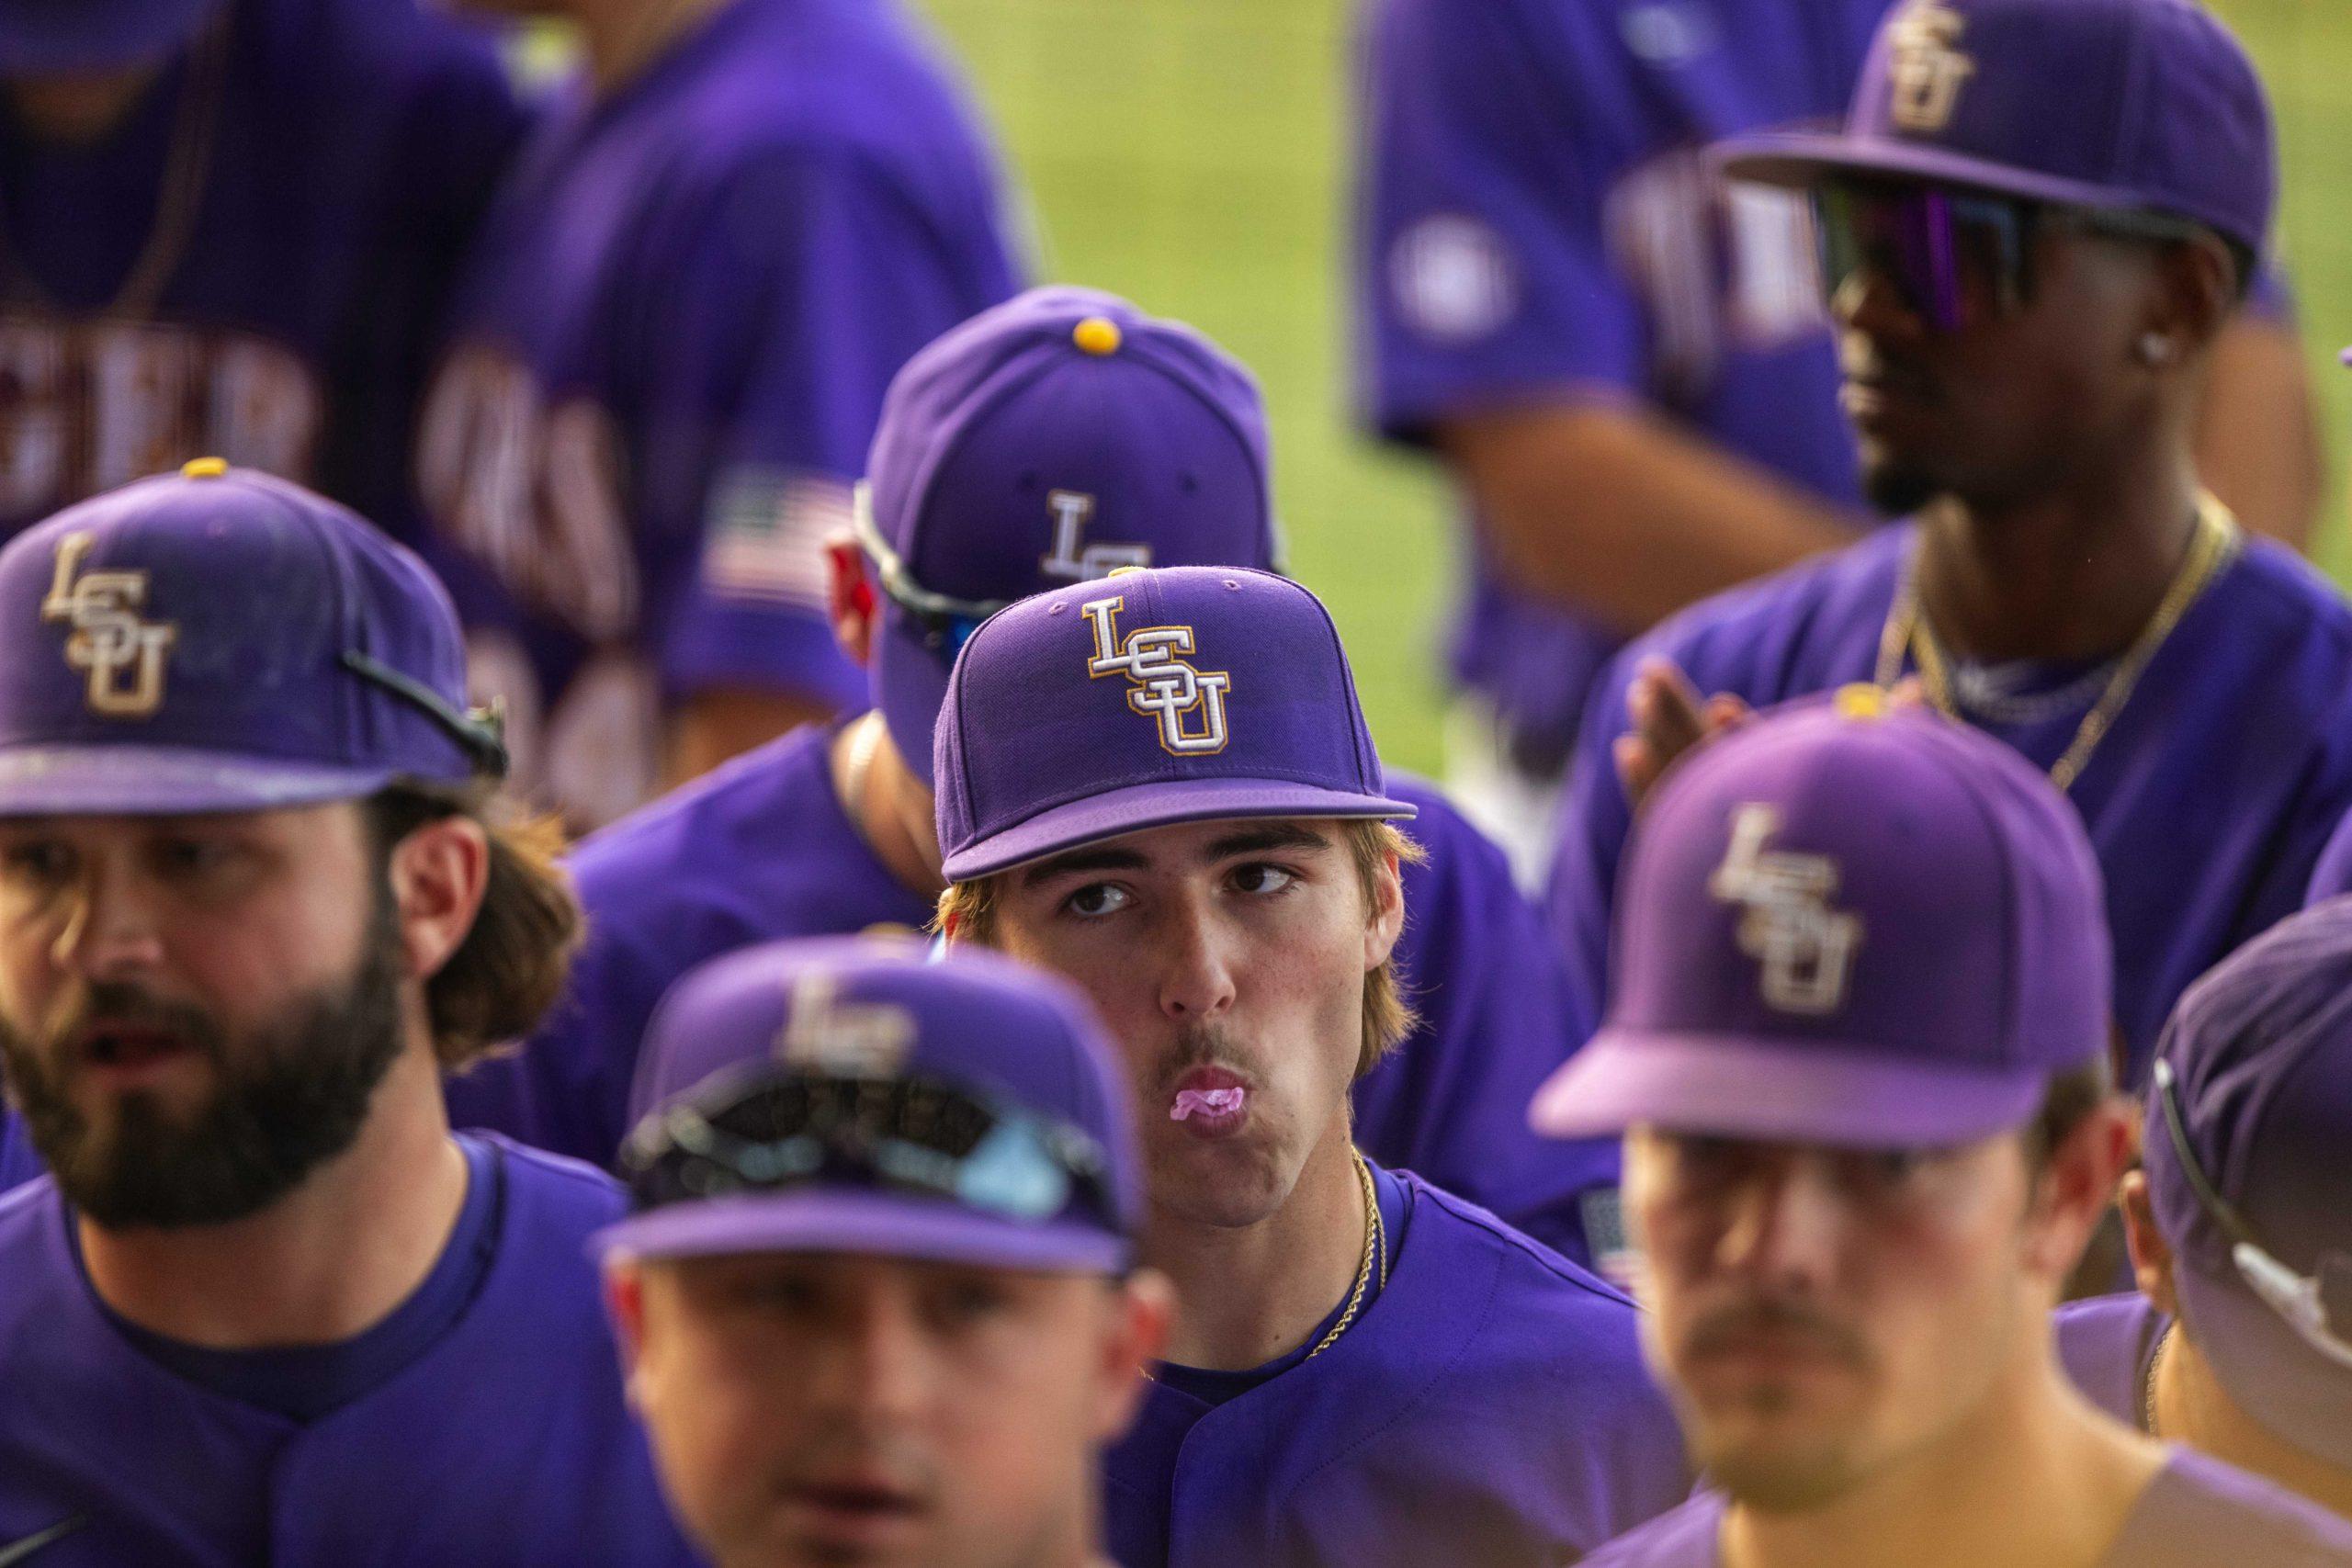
(2196, 293)
(625, 1302)
(2076, 1185)
(437, 875)
(1388, 915)
(2152, 1258)
(850, 596)
(1139, 1315)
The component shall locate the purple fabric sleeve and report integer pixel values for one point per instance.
(1484, 273)
(18, 1164)
(808, 277)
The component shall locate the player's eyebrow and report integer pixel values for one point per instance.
(1100, 858)
(1264, 839)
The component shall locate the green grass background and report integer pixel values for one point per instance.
(1195, 156)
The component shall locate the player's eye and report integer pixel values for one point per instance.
(36, 863)
(183, 857)
(1262, 878)
(1097, 900)
(966, 1301)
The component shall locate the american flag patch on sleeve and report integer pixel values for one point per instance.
(766, 534)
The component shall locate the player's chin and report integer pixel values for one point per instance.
(1234, 1182)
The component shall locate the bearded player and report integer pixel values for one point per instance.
(255, 896)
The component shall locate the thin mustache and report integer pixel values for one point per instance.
(1197, 1048)
(1719, 1329)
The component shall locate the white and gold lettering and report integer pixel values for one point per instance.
(1073, 510)
(1167, 688)
(123, 654)
(851, 1039)
(1805, 946)
(1926, 66)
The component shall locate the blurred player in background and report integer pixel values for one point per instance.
(2240, 1343)
(1624, 360)
(2028, 305)
(1048, 441)
(1859, 1050)
(879, 1292)
(1161, 787)
(669, 353)
(253, 901)
(230, 226)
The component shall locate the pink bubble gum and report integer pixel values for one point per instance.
(1206, 1102)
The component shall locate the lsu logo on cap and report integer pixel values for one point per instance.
(1926, 66)
(1805, 947)
(1073, 510)
(1188, 702)
(123, 654)
(823, 1034)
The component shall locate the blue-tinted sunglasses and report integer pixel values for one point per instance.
(1955, 258)
(947, 622)
(778, 1131)
(2318, 1307)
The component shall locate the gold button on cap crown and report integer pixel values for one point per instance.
(204, 467)
(1096, 336)
(1859, 699)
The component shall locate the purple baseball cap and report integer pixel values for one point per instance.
(2257, 1061)
(1852, 923)
(847, 1095)
(1045, 442)
(2145, 106)
(220, 641)
(1177, 695)
(46, 38)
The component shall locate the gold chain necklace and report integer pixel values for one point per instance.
(1375, 1244)
(2212, 546)
(185, 167)
(2148, 1400)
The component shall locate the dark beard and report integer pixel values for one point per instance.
(1897, 491)
(291, 1096)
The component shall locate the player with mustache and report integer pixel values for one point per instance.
(1160, 787)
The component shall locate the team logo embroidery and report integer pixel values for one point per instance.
(1073, 510)
(851, 1039)
(1188, 702)
(123, 654)
(1804, 945)
(1926, 65)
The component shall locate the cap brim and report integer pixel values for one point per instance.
(138, 780)
(1776, 1092)
(1116, 813)
(1804, 158)
(2288, 1388)
(867, 1223)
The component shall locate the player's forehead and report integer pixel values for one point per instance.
(1186, 847)
(325, 822)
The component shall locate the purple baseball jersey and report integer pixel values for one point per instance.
(668, 359)
(2107, 1345)
(19, 1163)
(252, 264)
(2332, 876)
(2207, 808)
(1538, 226)
(504, 1439)
(2198, 1513)
(762, 849)
(1488, 1408)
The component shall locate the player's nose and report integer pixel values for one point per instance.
(1197, 957)
(875, 1370)
(1785, 1228)
(107, 930)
